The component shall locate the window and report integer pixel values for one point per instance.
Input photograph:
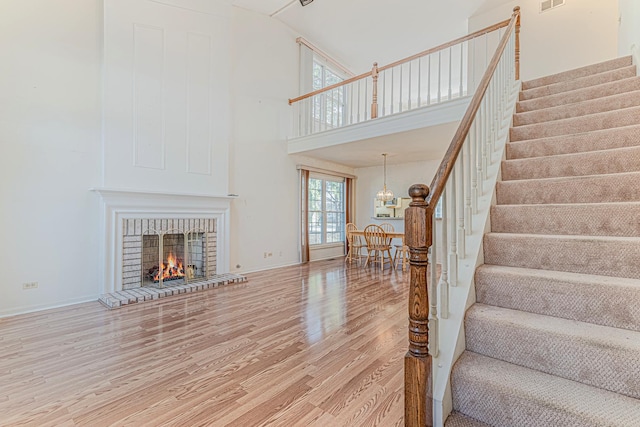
(329, 107)
(326, 210)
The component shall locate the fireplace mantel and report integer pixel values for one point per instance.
(121, 204)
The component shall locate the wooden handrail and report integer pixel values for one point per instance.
(446, 166)
(402, 61)
(418, 377)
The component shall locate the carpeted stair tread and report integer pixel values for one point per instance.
(591, 106)
(596, 121)
(575, 73)
(600, 356)
(456, 419)
(601, 300)
(604, 139)
(583, 94)
(600, 255)
(618, 160)
(578, 83)
(502, 394)
(619, 187)
(589, 219)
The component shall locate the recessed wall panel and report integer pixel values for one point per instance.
(148, 82)
(199, 120)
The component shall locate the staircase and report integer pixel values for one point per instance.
(554, 338)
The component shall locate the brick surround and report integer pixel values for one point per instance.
(133, 230)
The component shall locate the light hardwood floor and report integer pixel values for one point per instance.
(315, 345)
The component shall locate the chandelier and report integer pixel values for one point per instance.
(384, 195)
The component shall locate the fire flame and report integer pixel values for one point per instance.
(173, 268)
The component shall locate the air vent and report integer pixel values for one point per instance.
(550, 4)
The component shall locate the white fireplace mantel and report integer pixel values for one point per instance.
(120, 204)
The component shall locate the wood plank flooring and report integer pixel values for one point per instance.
(315, 345)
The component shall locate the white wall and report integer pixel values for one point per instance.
(629, 30)
(50, 137)
(579, 33)
(399, 178)
(265, 218)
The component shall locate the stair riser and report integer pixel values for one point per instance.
(609, 103)
(589, 189)
(604, 257)
(579, 95)
(497, 406)
(617, 219)
(565, 86)
(592, 122)
(592, 163)
(601, 302)
(599, 140)
(579, 72)
(562, 354)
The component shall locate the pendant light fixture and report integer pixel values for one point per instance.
(384, 195)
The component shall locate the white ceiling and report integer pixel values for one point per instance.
(360, 32)
(428, 143)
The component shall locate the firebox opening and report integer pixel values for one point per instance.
(173, 257)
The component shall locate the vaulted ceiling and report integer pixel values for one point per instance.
(360, 32)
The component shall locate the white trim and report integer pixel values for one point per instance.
(418, 118)
(118, 205)
(325, 57)
(17, 311)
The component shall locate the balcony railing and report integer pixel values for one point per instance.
(443, 73)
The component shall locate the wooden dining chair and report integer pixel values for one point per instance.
(355, 245)
(401, 254)
(377, 246)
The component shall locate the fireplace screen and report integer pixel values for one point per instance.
(173, 256)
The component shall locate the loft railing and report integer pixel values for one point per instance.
(460, 181)
(436, 75)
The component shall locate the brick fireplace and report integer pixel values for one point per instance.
(137, 224)
(163, 250)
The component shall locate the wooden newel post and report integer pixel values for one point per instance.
(516, 10)
(374, 97)
(418, 393)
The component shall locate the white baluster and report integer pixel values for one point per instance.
(468, 172)
(450, 74)
(419, 82)
(461, 66)
(409, 86)
(359, 96)
(474, 165)
(384, 92)
(444, 273)
(392, 87)
(472, 46)
(429, 81)
(452, 189)
(433, 294)
(400, 91)
(439, 75)
(459, 169)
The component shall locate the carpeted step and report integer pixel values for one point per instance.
(606, 120)
(601, 300)
(456, 419)
(502, 394)
(591, 106)
(592, 92)
(600, 255)
(617, 160)
(619, 187)
(600, 356)
(588, 219)
(604, 139)
(578, 83)
(576, 73)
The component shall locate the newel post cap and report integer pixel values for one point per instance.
(418, 194)
(516, 9)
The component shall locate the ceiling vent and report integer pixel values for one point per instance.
(550, 4)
